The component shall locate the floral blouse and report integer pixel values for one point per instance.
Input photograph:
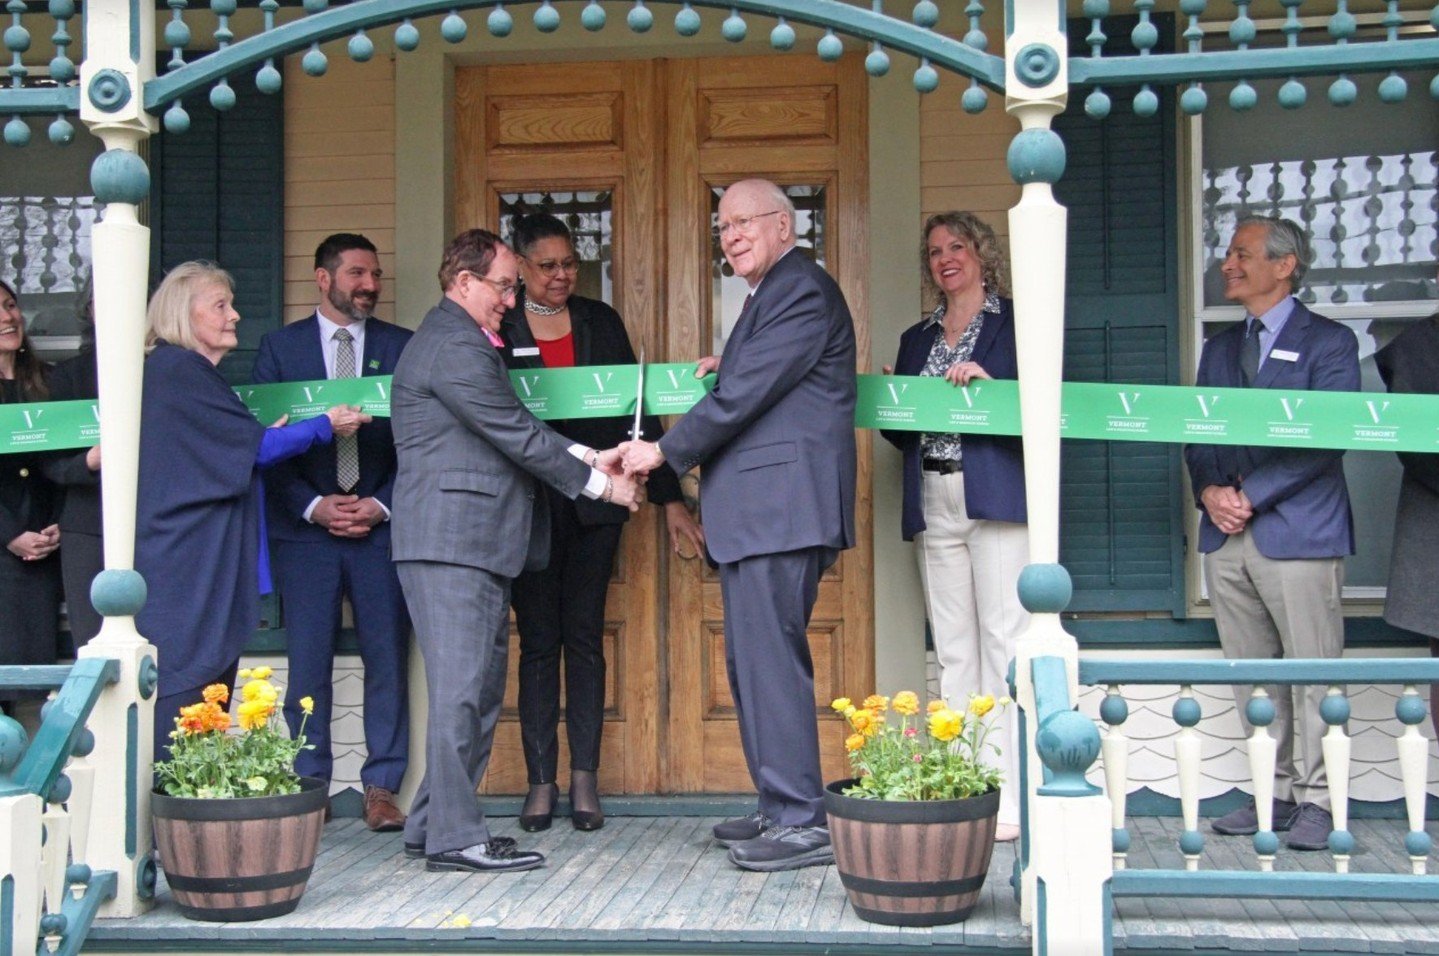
(946, 446)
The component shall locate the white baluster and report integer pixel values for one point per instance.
(1188, 757)
(20, 860)
(1413, 752)
(55, 856)
(82, 799)
(1115, 747)
(1262, 757)
(1337, 747)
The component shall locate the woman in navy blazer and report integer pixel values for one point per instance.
(561, 608)
(964, 495)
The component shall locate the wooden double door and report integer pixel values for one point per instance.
(633, 155)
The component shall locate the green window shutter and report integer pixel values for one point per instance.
(218, 194)
(1121, 511)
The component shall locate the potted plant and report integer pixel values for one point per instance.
(913, 830)
(236, 827)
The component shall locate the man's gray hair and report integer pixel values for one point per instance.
(1283, 237)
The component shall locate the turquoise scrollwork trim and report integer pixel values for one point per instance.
(109, 91)
(1175, 68)
(1036, 65)
(337, 22)
(40, 767)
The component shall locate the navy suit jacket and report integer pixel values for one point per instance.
(294, 354)
(776, 435)
(1300, 501)
(993, 464)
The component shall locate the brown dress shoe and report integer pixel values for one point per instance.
(381, 813)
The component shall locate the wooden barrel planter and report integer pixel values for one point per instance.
(905, 863)
(237, 859)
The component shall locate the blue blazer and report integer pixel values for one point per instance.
(293, 354)
(776, 436)
(993, 464)
(1301, 504)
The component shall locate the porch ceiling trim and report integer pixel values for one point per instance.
(941, 51)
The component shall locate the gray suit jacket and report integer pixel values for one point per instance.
(776, 435)
(469, 453)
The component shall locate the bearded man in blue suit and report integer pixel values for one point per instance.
(328, 515)
(1275, 523)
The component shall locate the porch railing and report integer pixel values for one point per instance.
(1070, 820)
(48, 895)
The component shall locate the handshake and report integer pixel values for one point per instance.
(627, 466)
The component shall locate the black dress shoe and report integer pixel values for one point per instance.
(784, 848)
(583, 793)
(492, 857)
(416, 851)
(535, 822)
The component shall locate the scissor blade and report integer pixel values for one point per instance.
(636, 430)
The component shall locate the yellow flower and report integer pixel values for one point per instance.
(260, 689)
(935, 706)
(243, 673)
(864, 722)
(906, 703)
(979, 706)
(217, 694)
(853, 742)
(307, 705)
(849, 711)
(877, 703)
(945, 725)
(262, 672)
(255, 714)
(840, 705)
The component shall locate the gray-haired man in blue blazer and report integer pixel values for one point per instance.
(1274, 523)
(776, 438)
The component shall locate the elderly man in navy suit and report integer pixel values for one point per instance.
(1274, 523)
(328, 515)
(776, 438)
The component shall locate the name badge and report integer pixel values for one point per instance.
(1284, 355)
(535, 350)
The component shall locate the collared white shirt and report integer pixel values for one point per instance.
(328, 345)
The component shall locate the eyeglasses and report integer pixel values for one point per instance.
(550, 268)
(742, 223)
(506, 290)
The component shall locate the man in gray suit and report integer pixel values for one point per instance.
(467, 518)
(776, 438)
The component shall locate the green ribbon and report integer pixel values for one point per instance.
(1158, 413)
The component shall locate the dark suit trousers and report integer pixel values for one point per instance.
(463, 629)
(82, 556)
(562, 608)
(767, 603)
(312, 578)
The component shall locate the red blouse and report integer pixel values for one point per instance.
(558, 353)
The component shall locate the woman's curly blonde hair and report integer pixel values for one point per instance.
(994, 267)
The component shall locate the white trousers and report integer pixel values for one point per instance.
(970, 569)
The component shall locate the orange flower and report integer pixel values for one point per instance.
(217, 694)
(854, 742)
(877, 703)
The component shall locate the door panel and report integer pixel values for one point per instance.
(658, 138)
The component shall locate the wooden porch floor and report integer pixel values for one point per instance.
(660, 885)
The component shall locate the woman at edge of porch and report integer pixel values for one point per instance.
(561, 608)
(964, 503)
(29, 569)
(199, 535)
